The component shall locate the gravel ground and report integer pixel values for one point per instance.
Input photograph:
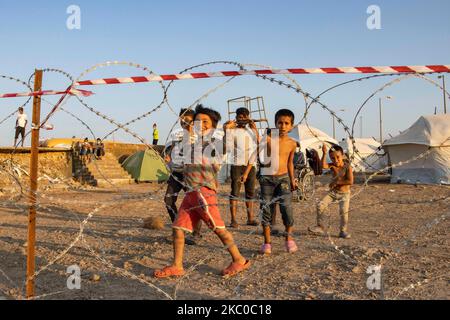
(403, 228)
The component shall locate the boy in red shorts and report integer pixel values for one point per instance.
(200, 201)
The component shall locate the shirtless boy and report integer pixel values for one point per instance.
(277, 181)
(342, 179)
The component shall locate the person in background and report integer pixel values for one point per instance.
(99, 149)
(86, 151)
(242, 136)
(21, 124)
(155, 134)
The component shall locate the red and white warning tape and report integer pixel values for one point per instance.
(71, 91)
(203, 75)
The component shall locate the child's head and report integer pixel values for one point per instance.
(284, 121)
(336, 154)
(242, 116)
(186, 118)
(86, 140)
(207, 117)
(20, 110)
(154, 126)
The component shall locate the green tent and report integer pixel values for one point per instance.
(146, 166)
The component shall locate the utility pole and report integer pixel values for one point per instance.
(381, 123)
(443, 91)
(334, 127)
(36, 121)
(381, 117)
(334, 123)
(361, 127)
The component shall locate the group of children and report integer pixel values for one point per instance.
(276, 177)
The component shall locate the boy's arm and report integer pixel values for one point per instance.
(324, 157)
(290, 167)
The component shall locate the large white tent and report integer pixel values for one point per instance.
(370, 156)
(311, 138)
(430, 134)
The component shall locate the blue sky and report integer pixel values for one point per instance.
(172, 35)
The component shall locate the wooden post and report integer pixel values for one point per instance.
(33, 184)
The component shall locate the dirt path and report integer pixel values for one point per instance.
(404, 228)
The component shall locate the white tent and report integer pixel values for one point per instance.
(370, 156)
(311, 138)
(429, 134)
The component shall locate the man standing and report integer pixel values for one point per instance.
(21, 123)
(242, 138)
(155, 134)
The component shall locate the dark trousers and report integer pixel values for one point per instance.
(174, 186)
(275, 190)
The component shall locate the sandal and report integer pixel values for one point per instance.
(235, 268)
(266, 248)
(167, 272)
(252, 223)
(291, 246)
(234, 225)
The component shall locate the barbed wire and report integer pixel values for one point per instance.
(126, 197)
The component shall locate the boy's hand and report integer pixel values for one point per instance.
(324, 148)
(244, 178)
(229, 125)
(167, 158)
(333, 185)
(294, 185)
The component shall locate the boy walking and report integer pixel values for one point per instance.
(278, 181)
(174, 157)
(21, 124)
(342, 179)
(200, 201)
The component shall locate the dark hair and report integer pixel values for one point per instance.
(285, 113)
(212, 114)
(20, 108)
(242, 111)
(336, 148)
(187, 112)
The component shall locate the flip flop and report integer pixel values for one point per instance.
(167, 272)
(235, 268)
(234, 225)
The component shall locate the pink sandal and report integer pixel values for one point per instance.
(291, 246)
(266, 248)
(167, 272)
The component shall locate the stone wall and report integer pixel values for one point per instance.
(55, 164)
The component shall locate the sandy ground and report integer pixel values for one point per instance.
(403, 228)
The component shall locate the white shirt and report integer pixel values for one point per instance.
(241, 146)
(21, 120)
